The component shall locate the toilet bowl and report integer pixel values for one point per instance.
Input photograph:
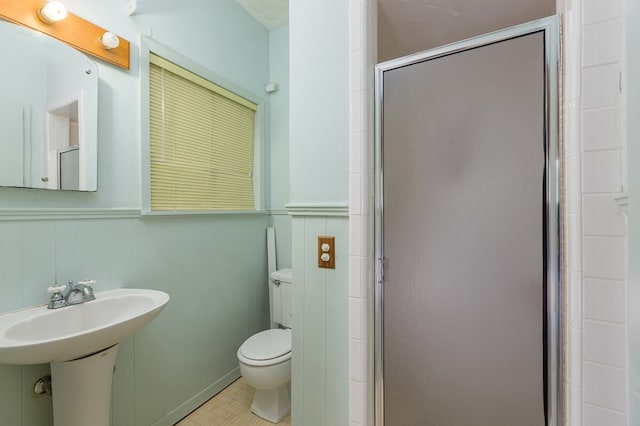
(265, 364)
(265, 357)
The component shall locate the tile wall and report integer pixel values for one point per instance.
(362, 37)
(595, 217)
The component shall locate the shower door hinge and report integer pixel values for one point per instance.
(381, 263)
(620, 81)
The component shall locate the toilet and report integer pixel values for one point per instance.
(265, 357)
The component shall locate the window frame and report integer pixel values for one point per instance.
(148, 46)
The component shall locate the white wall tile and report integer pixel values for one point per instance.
(575, 242)
(604, 300)
(355, 70)
(575, 299)
(355, 106)
(592, 32)
(598, 416)
(601, 129)
(600, 10)
(604, 386)
(356, 269)
(601, 86)
(364, 196)
(355, 235)
(574, 185)
(572, 118)
(355, 318)
(572, 9)
(368, 195)
(604, 343)
(604, 257)
(602, 216)
(575, 405)
(358, 200)
(602, 172)
(356, 367)
(367, 113)
(365, 237)
(355, 153)
(355, 194)
(573, 69)
(602, 43)
(356, 402)
(575, 357)
(355, 24)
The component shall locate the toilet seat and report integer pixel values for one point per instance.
(268, 347)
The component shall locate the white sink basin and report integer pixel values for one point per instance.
(39, 335)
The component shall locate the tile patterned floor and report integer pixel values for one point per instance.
(229, 407)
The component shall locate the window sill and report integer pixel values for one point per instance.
(167, 213)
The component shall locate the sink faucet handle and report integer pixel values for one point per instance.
(56, 289)
(90, 283)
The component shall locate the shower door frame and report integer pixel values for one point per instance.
(554, 330)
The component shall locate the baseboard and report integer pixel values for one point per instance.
(190, 405)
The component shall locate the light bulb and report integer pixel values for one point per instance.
(109, 40)
(53, 11)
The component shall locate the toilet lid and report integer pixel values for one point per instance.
(267, 344)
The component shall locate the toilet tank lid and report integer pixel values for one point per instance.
(283, 275)
(267, 344)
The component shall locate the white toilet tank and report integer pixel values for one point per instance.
(280, 282)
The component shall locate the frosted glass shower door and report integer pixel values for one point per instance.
(464, 234)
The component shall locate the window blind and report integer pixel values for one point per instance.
(202, 142)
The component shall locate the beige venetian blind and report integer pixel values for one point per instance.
(202, 138)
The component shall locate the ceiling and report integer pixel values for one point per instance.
(270, 13)
(410, 26)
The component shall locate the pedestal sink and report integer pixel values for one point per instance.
(81, 343)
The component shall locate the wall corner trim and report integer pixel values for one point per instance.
(8, 214)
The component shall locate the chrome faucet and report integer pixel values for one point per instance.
(71, 294)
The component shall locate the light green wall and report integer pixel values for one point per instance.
(218, 35)
(214, 267)
(279, 116)
(320, 357)
(319, 58)
(632, 112)
(279, 142)
(319, 154)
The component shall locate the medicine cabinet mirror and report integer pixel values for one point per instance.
(48, 113)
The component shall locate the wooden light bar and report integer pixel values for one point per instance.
(73, 30)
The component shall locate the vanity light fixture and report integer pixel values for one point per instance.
(75, 31)
(53, 11)
(109, 40)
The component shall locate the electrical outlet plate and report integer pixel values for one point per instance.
(325, 262)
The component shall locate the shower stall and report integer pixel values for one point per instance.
(468, 278)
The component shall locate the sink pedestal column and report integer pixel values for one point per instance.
(82, 389)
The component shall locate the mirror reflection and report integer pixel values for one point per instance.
(48, 113)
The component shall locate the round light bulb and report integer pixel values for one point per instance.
(53, 11)
(109, 40)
